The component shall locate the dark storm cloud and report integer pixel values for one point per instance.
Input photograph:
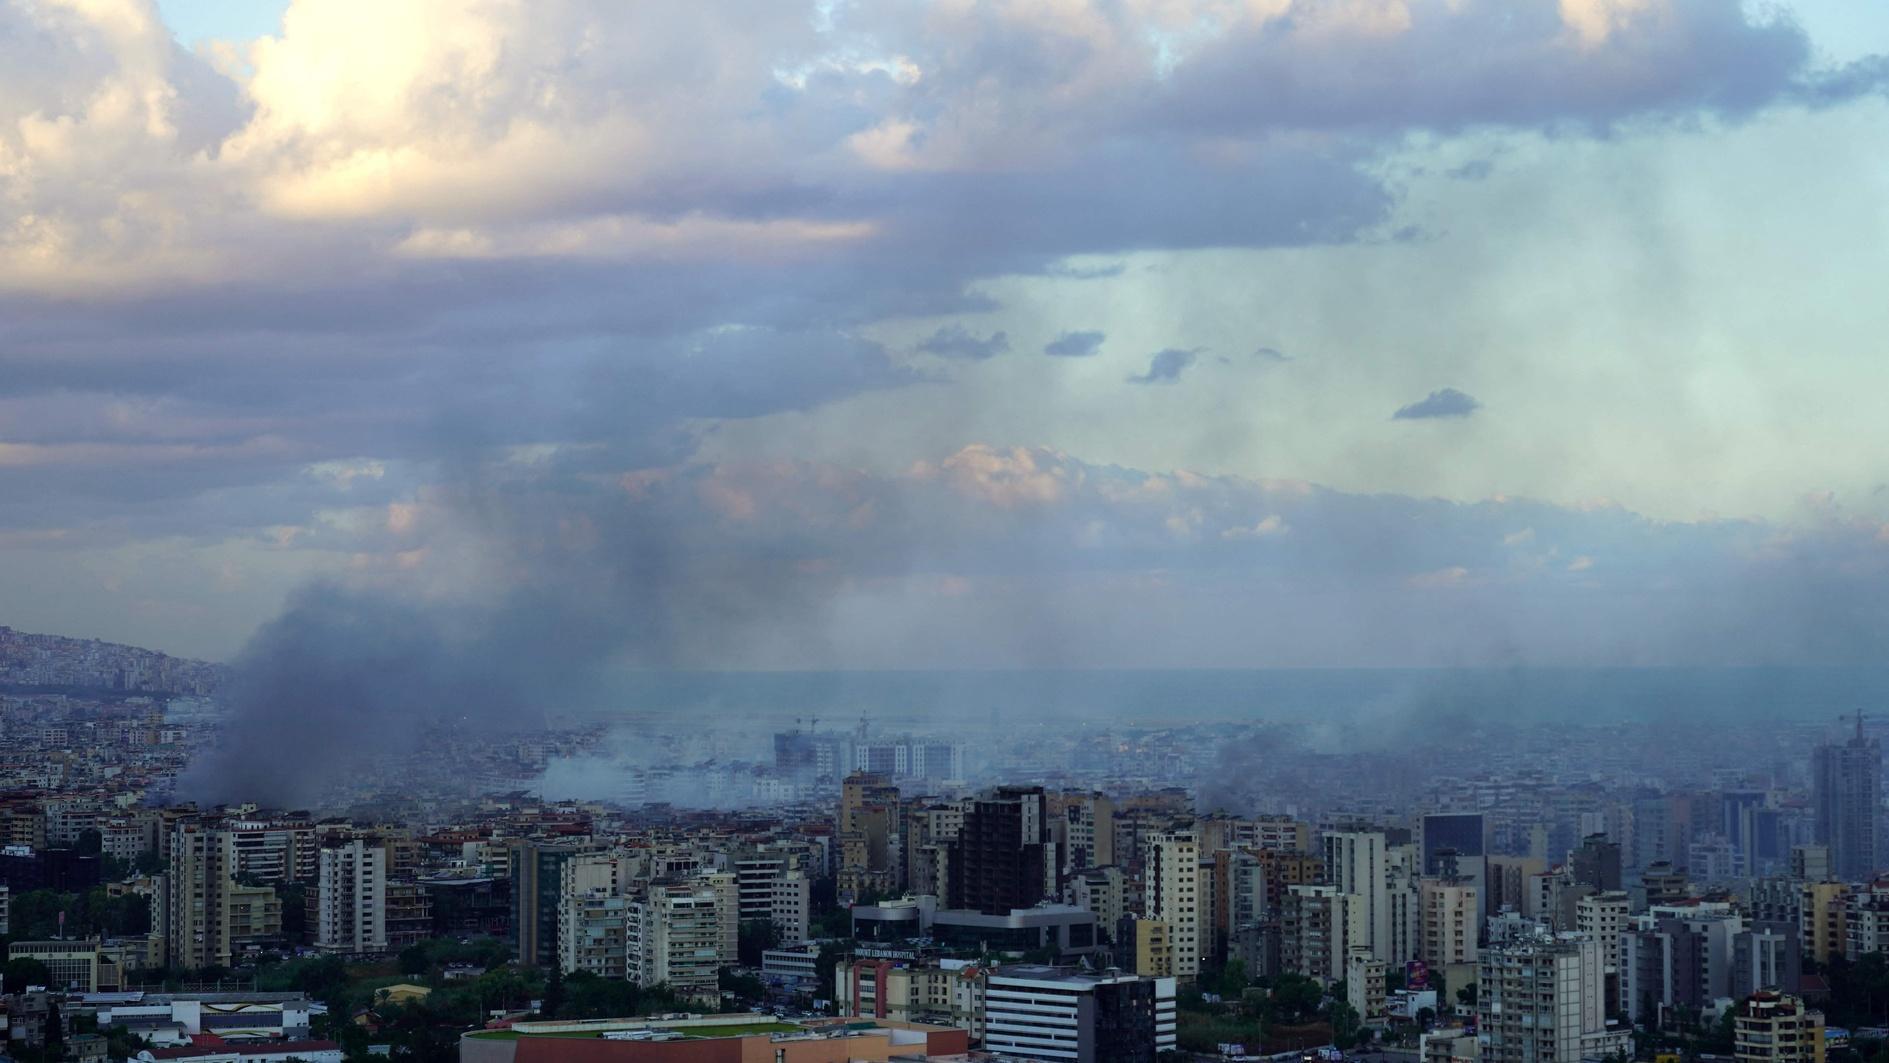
(1166, 366)
(1444, 402)
(1489, 64)
(955, 341)
(1863, 77)
(1075, 344)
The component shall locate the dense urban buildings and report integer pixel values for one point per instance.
(1072, 897)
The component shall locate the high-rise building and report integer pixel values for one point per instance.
(593, 933)
(1365, 988)
(1154, 948)
(1508, 883)
(1358, 863)
(1056, 1013)
(869, 836)
(537, 873)
(1000, 861)
(1597, 863)
(1846, 789)
(774, 886)
(1662, 829)
(1776, 1028)
(1318, 927)
(930, 827)
(676, 936)
(1452, 921)
(1083, 827)
(352, 897)
(1678, 957)
(1663, 884)
(1866, 921)
(1810, 863)
(272, 849)
(1455, 846)
(1604, 917)
(1766, 959)
(1171, 894)
(409, 914)
(1825, 920)
(1102, 890)
(1543, 1001)
(204, 916)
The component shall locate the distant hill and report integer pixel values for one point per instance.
(54, 661)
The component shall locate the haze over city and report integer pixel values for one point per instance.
(944, 530)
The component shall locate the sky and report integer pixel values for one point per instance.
(954, 334)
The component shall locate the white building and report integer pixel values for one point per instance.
(593, 933)
(1604, 917)
(773, 885)
(1358, 863)
(352, 898)
(1451, 921)
(1318, 929)
(1543, 1001)
(1056, 1013)
(675, 935)
(1172, 894)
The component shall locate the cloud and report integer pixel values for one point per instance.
(954, 341)
(1446, 402)
(1265, 528)
(1453, 576)
(567, 241)
(1075, 344)
(1166, 366)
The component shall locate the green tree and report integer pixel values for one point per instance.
(747, 988)
(1345, 1023)
(55, 1032)
(415, 959)
(294, 898)
(553, 1003)
(1295, 997)
(755, 937)
(22, 971)
(1230, 981)
(587, 996)
(831, 956)
(121, 1043)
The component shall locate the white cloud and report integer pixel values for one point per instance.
(1266, 528)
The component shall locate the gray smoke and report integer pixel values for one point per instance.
(575, 580)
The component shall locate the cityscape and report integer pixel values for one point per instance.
(944, 531)
(1538, 891)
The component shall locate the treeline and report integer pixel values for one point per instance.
(93, 913)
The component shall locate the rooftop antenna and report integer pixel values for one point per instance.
(1859, 725)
